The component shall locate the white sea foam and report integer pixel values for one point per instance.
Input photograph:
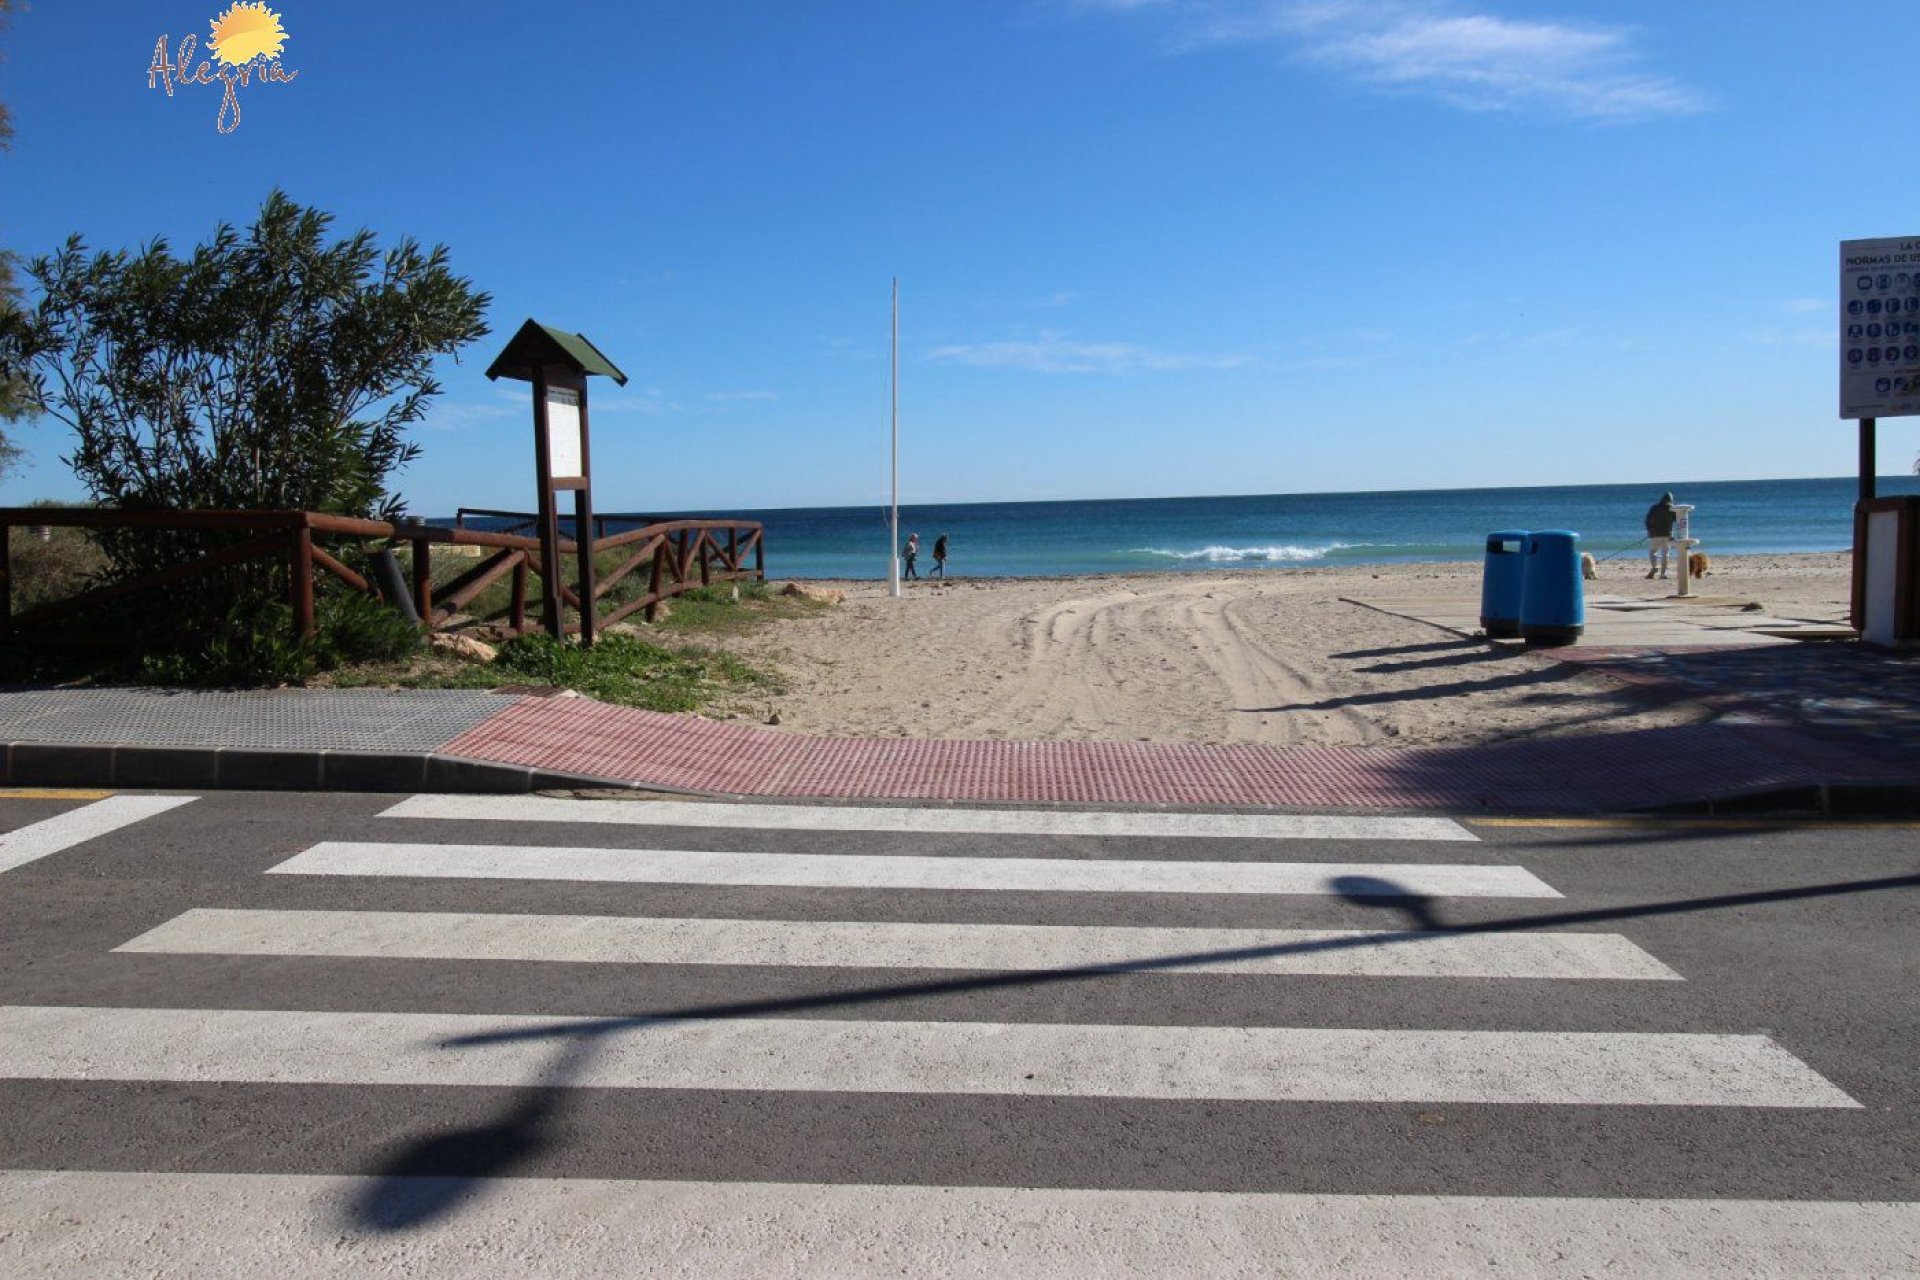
(1229, 555)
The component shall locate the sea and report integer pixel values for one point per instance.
(1289, 531)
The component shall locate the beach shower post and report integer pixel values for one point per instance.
(1683, 542)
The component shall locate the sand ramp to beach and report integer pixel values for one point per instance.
(1275, 656)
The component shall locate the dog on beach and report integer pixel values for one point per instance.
(1587, 569)
(1698, 562)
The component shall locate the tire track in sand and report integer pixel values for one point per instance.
(1174, 664)
(1259, 678)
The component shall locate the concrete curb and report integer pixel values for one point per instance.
(45, 764)
(1837, 800)
(254, 769)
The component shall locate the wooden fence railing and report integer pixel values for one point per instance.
(679, 554)
(527, 521)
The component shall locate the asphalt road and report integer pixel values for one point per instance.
(296, 1033)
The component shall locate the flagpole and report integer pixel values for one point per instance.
(893, 553)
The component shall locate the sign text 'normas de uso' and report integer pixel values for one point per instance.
(1880, 327)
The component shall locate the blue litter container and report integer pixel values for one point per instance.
(1500, 583)
(1553, 601)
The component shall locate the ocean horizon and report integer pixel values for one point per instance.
(1291, 531)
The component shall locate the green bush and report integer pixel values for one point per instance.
(350, 628)
(254, 644)
(65, 564)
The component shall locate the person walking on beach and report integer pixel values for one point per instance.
(1660, 518)
(909, 554)
(939, 558)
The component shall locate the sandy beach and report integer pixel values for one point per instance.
(1279, 657)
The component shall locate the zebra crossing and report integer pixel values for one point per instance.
(832, 1040)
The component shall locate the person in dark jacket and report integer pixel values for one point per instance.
(939, 557)
(1660, 519)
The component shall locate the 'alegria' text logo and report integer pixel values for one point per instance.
(246, 41)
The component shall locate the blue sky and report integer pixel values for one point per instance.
(1146, 247)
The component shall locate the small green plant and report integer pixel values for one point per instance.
(620, 669)
(714, 609)
(724, 592)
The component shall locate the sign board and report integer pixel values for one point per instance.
(1880, 327)
(564, 455)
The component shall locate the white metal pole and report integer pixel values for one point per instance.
(893, 551)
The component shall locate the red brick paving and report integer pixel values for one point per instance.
(1586, 773)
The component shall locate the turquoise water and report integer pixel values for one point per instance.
(1285, 531)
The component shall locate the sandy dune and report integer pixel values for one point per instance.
(1277, 656)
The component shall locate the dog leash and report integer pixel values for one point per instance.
(1622, 551)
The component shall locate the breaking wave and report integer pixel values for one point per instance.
(1232, 555)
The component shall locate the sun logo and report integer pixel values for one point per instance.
(247, 30)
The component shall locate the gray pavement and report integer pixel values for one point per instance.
(1785, 945)
(296, 739)
(286, 719)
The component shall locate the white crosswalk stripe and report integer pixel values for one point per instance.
(249, 1225)
(822, 1055)
(889, 871)
(1023, 822)
(76, 826)
(426, 935)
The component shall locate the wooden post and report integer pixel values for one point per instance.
(300, 556)
(733, 551)
(520, 594)
(423, 582)
(6, 581)
(583, 539)
(701, 547)
(760, 554)
(653, 583)
(584, 532)
(549, 519)
(1869, 463)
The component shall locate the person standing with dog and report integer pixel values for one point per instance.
(1660, 518)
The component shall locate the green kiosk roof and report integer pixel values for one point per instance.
(537, 344)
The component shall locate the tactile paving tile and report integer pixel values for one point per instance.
(291, 719)
(1593, 772)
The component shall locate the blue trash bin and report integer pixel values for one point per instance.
(1500, 583)
(1553, 601)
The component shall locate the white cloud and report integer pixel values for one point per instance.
(463, 415)
(1443, 49)
(1057, 353)
(1791, 338)
(654, 402)
(657, 402)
